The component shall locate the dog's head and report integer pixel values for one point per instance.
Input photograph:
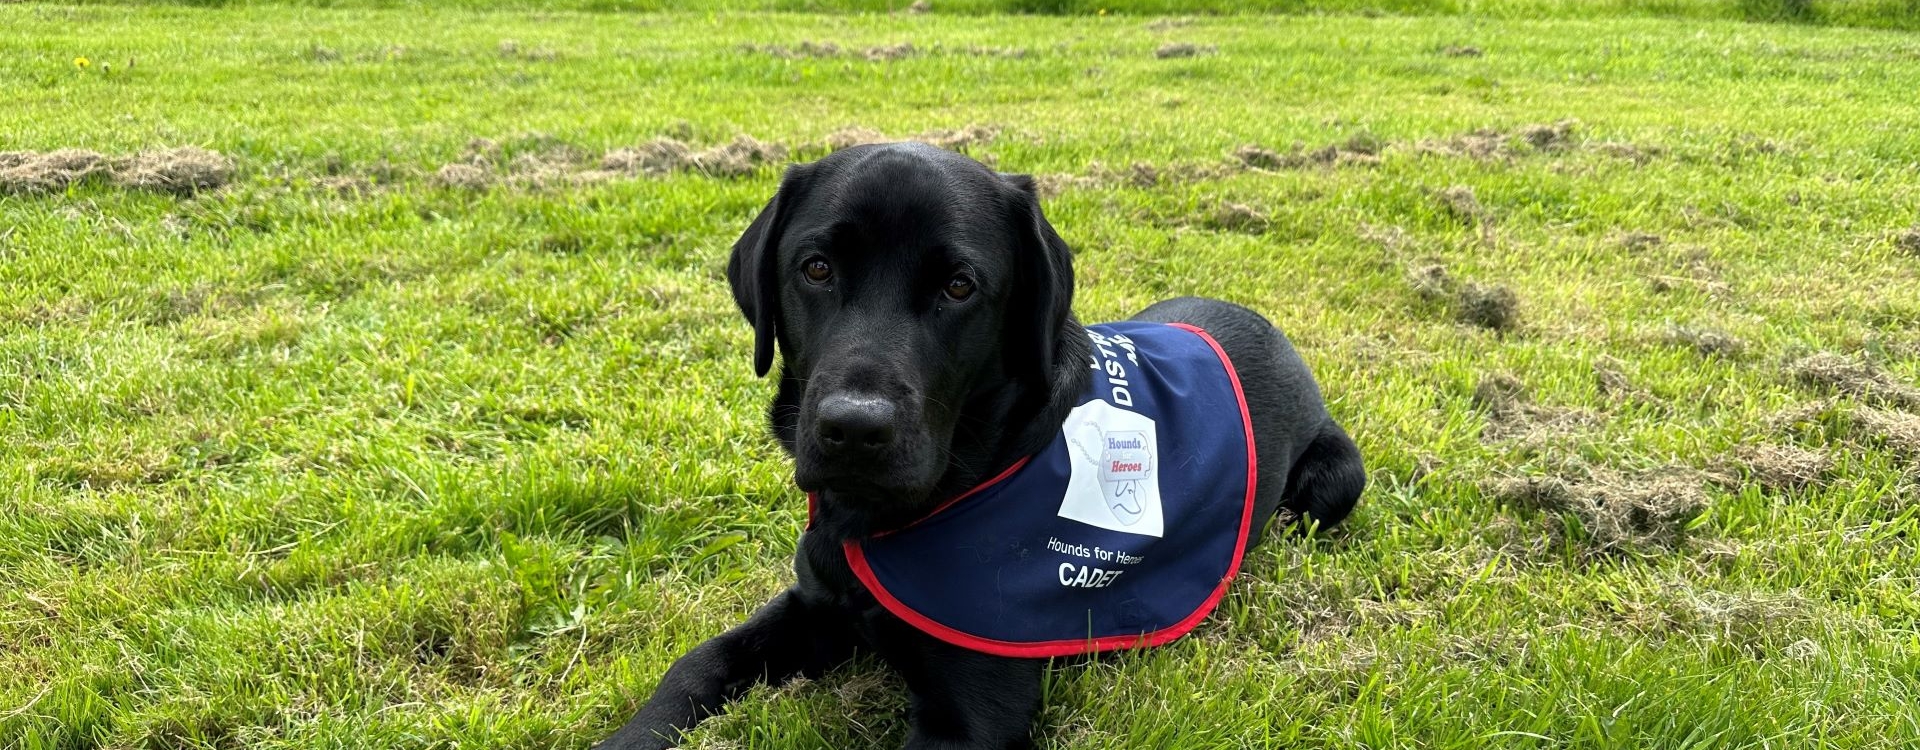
(913, 293)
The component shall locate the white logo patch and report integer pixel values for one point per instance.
(1115, 483)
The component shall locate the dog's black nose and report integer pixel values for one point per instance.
(853, 425)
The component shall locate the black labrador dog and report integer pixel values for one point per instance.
(921, 304)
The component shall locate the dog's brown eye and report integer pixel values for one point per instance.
(960, 287)
(817, 270)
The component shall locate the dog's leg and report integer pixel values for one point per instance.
(963, 700)
(784, 639)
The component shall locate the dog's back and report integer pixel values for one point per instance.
(1308, 464)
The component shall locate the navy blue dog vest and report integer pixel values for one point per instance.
(1122, 533)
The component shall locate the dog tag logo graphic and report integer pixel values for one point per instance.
(1113, 484)
(1124, 464)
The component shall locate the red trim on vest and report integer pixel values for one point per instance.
(856, 558)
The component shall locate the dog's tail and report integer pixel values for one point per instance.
(1326, 481)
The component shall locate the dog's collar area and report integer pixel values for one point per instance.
(814, 504)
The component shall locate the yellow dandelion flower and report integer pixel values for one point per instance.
(81, 63)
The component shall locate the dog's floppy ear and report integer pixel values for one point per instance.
(1043, 296)
(751, 271)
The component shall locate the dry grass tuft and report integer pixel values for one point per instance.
(1781, 469)
(1500, 392)
(1139, 174)
(812, 49)
(741, 157)
(1492, 306)
(1637, 154)
(1461, 203)
(1858, 379)
(1255, 157)
(512, 50)
(1051, 185)
(30, 172)
(888, 52)
(182, 171)
(1012, 53)
(961, 139)
(1172, 50)
(1707, 341)
(1431, 282)
(1908, 241)
(1143, 175)
(1496, 144)
(464, 176)
(1609, 375)
(854, 135)
(806, 48)
(1512, 415)
(1360, 150)
(1238, 217)
(1554, 137)
(1800, 418)
(1641, 241)
(656, 157)
(1617, 511)
(1897, 431)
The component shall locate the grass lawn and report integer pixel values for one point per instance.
(408, 409)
